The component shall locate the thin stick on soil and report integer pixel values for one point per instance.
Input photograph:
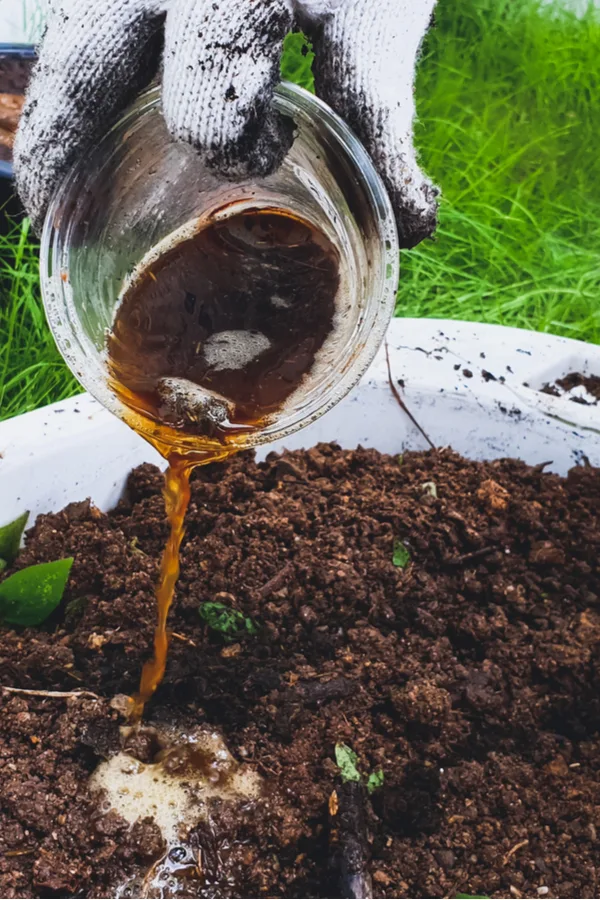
(541, 466)
(182, 638)
(348, 840)
(469, 557)
(277, 582)
(53, 694)
(400, 401)
(513, 850)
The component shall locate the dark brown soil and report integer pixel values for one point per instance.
(14, 77)
(471, 676)
(14, 73)
(10, 113)
(575, 379)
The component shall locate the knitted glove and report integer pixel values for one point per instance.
(220, 67)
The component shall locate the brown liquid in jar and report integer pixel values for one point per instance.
(208, 343)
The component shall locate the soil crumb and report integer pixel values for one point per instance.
(583, 389)
(449, 638)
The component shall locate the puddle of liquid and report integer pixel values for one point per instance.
(176, 790)
(213, 335)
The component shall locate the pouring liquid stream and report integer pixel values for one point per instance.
(208, 343)
(177, 498)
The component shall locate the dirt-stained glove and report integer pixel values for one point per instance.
(220, 67)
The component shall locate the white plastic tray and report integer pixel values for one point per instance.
(75, 449)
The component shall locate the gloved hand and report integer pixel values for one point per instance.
(220, 67)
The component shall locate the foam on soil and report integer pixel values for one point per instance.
(176, 790)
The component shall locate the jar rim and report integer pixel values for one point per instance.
(292, 100)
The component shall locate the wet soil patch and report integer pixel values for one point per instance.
(439, 617)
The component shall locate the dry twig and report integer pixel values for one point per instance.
(53, 694)
(513, 851)
(401, 402)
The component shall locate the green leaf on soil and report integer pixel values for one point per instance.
(401, 557)
(471, 897)
(375, 780)
(10, 538)
(346, 760)
(400, 459)
(231, 623)
(29, 596)
(430, 487)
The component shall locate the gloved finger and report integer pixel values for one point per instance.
(220, 70)
(366, 55)
(94, 59)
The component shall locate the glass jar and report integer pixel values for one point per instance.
(138, 187)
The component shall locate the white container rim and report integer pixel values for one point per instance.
(473, 387)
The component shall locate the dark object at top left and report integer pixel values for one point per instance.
(16, 62)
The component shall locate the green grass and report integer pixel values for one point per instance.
(297, 60)
(32, 372)
(509, 124)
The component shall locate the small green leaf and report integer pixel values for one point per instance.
(471, 897)
(347, 759)
(400, 459)
(401, 557)
(10, 537)
(3, 565)
(229, 622)
(375, 780)
(29, 596)
(430, 487)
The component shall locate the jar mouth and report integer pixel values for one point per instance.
(366, 212)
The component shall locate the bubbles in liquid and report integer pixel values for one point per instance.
(186, 402)
(176, 788)
(189, 772)
(234, 349)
